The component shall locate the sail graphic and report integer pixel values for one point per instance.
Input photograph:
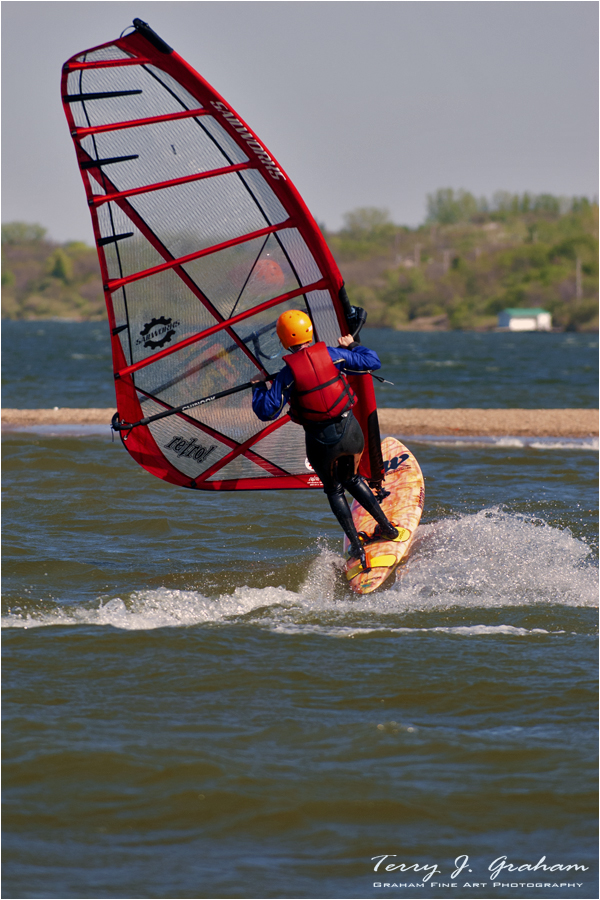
(203, 242)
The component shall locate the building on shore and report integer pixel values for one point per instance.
(533, 319)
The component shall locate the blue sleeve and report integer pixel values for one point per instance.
(356, 361)
(268, 403)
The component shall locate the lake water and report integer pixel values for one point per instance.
(196, 707)
(63, 363)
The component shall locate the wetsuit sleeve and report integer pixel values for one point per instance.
(268, 403)
(357, 360)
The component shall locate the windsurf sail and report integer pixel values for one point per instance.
(203, 242)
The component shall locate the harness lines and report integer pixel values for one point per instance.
(320, 392)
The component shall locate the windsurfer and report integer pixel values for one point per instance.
(321, 400)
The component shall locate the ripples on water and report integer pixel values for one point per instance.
(196, 706)
(487, 561)
(65, 363)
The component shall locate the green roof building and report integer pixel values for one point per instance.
(532, 319)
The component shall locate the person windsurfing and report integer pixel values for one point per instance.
(321, 400)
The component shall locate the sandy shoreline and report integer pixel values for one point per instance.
(576, 423)
(487, 422)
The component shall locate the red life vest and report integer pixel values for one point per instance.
(320, 391)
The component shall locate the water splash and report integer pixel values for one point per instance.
(488, 560)
(494, 558)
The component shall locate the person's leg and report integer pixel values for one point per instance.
(347, 467)
(341, 510)
(322, 458)
(364, 495)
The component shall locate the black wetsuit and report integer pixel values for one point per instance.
(333, 448)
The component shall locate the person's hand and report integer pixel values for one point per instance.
(346, 340)
(257, 379)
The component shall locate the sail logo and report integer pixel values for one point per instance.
(189, 449)
(157, 332)
(258, 150)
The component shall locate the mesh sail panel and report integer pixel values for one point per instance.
(203, 241)
(108, 51)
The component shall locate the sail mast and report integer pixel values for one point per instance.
(203, 241)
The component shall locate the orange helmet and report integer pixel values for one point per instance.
(294, 327)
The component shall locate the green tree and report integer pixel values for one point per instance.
(8, 277)
(447, 207)
(368, 223)
(60, 266)
(367, 231)
(582, 245)
(463, 264)
(22, 233)
(547, 205)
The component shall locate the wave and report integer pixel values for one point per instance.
(476, 442)
(507, 442)
(477, 563)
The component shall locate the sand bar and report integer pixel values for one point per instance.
(576, 423)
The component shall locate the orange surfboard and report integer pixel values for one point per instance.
(403, 507)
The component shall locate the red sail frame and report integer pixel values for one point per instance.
(140, 442)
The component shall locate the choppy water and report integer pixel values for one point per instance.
(64, 363)
(195, 705)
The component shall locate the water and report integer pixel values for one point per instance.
(63, 363)
(195, 705)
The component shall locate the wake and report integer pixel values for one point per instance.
(488, 560)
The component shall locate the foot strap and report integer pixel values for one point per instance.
(375, 562)
(403, 535)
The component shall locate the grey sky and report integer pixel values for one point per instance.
(362, 103)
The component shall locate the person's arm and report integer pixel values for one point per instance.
(268, 403)
(352, 357)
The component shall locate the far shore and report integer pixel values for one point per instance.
(421, 324)
(575, 423)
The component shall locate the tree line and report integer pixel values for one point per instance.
(42, 279)
(470, 259)
(473, 258)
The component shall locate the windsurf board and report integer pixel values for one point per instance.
(403, 506)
